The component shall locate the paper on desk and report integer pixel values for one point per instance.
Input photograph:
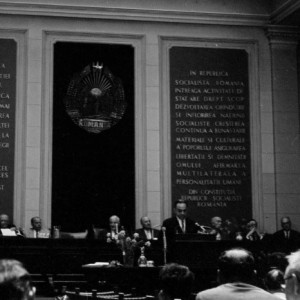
(8, 232)
(98, 264)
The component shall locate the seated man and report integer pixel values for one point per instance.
(110, 234)
(217, 229)
(176, 282)
(147, 233)
(286, 239)
(236, 275)
(15, 281)
(9, 229)
(253, 234)
(36, 231)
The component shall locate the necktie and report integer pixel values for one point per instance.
(182, 226)
(287, 235)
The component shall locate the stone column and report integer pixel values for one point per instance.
(285, 96)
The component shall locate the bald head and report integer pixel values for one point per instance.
(286, 223)
(114, 222)
(236, 265)
(146, 222)
(36, 223)
(4, 221)
(216, 222)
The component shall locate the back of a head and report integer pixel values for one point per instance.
(292, 276)
(14, 281)
(176, 281)
(274, 280)
(236, 265)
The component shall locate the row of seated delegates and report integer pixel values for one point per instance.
(112, 233)
(36, 230)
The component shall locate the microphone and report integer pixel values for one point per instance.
(163, 229)
(164, 237)
(204, 229)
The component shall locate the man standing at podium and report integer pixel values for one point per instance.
(180, 223)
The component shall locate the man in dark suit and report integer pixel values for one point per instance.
(110, 234)
(286, 239)
(147, 233)
(179, 223)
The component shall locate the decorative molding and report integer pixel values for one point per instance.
(136, 41)
(285, 10)
(132, 14)
(251, 47)
(283, 34)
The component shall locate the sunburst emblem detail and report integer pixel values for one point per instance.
(95, 98)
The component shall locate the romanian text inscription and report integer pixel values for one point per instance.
(210, 144)
(7, 122)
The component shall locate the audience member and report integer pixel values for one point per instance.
(292, 277)
(179, 223)
(236, 276)
(15, 281)
(276, 260)
(274, 282)
(176, 282)
(36, 231)
(286, 239)
(147, 233)
(253, 234)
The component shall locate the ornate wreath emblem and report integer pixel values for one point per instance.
(95, 99)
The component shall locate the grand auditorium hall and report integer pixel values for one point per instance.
(143, 143)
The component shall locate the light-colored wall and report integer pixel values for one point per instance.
(274, 116)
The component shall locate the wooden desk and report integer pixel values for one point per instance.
(63, 257)
(144, 280)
